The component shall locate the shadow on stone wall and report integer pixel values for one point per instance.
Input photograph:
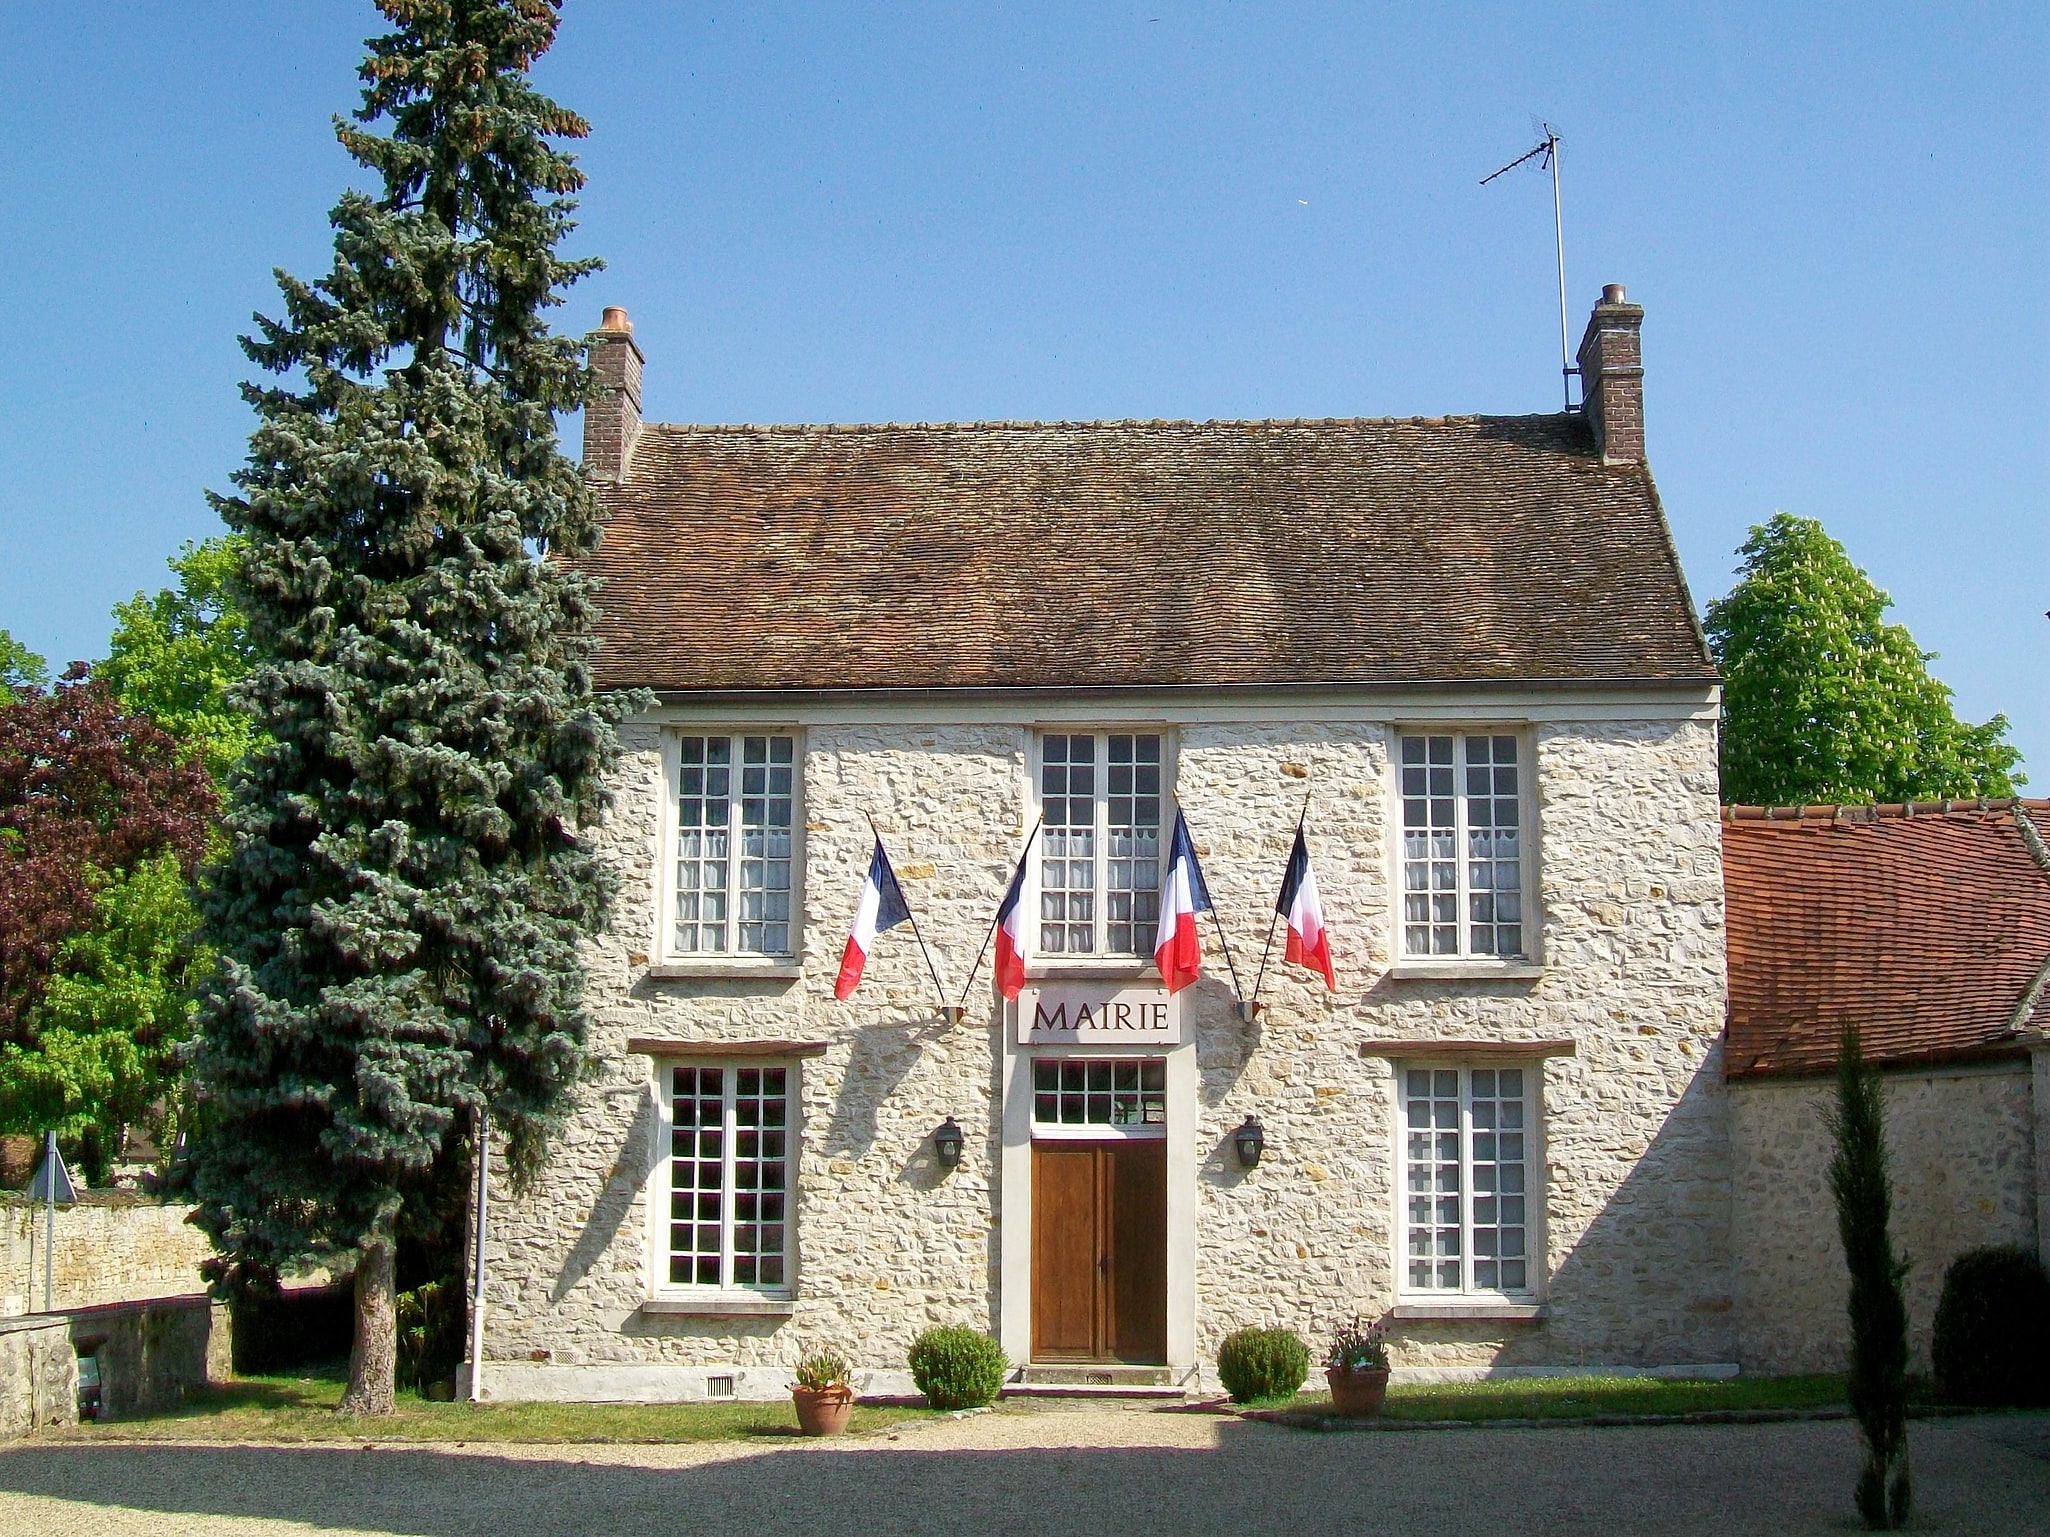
(1648, 1281)
(880, 1057)
(623, 1182)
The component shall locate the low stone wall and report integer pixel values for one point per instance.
(1962, 1147)
(112, 1246)
(38, 1375)
(153, 1354)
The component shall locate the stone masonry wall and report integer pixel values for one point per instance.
(111, 1247)
(1636, 1233)
(1961, 1146)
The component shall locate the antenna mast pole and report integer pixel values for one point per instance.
(1547, 156)
(1559, 235)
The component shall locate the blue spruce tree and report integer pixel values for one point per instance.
(399, 914)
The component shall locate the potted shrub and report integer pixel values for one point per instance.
(1357, 1369)
(822, 1394)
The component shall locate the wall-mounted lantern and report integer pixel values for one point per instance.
(946, 1144)
(1250, 1141)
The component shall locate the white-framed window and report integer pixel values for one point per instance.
(1099, 1096)
(1469, 1164)
(734, 851)
(1465, 860)
(726, 1219)
(1102, 794)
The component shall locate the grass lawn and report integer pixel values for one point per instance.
(293, 1408)
(1545, 1398)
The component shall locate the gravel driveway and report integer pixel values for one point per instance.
(1108, 1472)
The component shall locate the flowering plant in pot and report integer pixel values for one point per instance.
(822, 1394)
(1357, 1369)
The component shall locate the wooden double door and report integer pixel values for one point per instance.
(1099, 1251)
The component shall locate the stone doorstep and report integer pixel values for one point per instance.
(1091, 1390)
(1092, 1380)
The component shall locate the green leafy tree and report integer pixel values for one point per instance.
(20, 668)
(102, 820)
(1823, 699)
(399, 916)
(175, 656)
(1878, 1307)
(117, 1006)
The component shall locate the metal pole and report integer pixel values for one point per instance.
(932, 970)
(1559, 234)
(991, 932)
(50, 1225)
(477, 1291)
(1300, 822)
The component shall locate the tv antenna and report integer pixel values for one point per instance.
(1546, 156)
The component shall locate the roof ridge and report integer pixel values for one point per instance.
(1887, 811)
(1020, 424)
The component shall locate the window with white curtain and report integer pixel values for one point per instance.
(1469, 1174)
(1465, 859)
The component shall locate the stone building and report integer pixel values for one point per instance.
(1460, 649)
(1928, 927)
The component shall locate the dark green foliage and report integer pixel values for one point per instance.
(430, 1332)
(1262, 1364)
(399, 914)
(957, 1367)
(1823, 699)
(1878, 1307)
(1992, 1342)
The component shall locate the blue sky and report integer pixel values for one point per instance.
(1834, 216)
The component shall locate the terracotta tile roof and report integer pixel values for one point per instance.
(1925, 924)
(1104, 554)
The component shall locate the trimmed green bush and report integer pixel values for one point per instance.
(957, 1367)
(1256, 1364)
(1992, 1342)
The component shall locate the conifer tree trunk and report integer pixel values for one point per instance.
(1878, 1308)
(373, 1357)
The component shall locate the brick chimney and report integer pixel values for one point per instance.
(1612, 377)
(612, 420)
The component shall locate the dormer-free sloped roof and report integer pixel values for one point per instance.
(1462, 551)
(1927, 926)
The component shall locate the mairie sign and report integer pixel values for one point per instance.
(1082, 1015)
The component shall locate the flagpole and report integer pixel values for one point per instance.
(992, 932)
(938, 991)
(1216, 923)
(1268, 948)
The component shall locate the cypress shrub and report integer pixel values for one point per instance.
(1878, 1308)
(1992, 1341)
(957, 1367)
(1257, 1364)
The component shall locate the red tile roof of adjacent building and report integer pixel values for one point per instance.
(1072, 555)
(1928, 926)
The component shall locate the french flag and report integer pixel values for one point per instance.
(1176, 949)
(1309, 946)
(1010, 969)
(881, 906)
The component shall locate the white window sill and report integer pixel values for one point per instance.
(720, 1305)
(727, 968)
(1088, 968)
(1455, 1309)
(1459, 970)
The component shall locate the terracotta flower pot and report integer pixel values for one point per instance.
(1357, 1394)
(823, 1411)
